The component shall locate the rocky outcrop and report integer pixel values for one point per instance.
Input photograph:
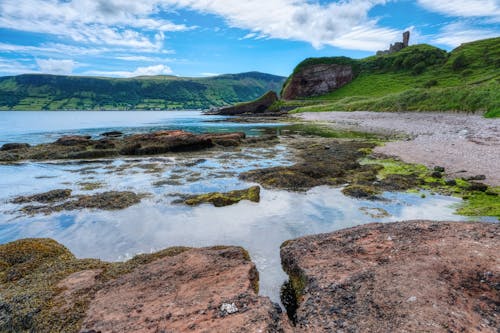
(84, 147)
(317, 79)
(398, 46)
(44, 288)
(402, 277)
(259, 106)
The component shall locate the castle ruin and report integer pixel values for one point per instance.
(396, 47)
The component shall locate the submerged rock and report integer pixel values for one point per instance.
(46, 197)
(225, 199)
(114, 134)
(46, 289)
(111, 200)
(418, 276)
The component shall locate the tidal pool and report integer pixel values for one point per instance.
(157, 223)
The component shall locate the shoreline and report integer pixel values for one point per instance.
(465, 145)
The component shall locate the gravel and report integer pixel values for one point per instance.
(466, 145)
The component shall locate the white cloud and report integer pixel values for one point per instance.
(8, 66)
(126, 23)
(140, 71)
(56, 66)
(107, 22)
(457, 33)
(464, 8)
(209, 74)
(336, 24)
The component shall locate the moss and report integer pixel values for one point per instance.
(395, 167)
(482, 204)
(225, 199)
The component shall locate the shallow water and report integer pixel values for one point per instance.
(35, 127)
(157, 223)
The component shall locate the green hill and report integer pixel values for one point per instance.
(417, 78)
(52, 92)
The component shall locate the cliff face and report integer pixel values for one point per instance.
(317, 80)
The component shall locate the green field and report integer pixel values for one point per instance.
(418, 78)
(51, 92)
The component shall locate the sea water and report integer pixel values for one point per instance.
(157, 222)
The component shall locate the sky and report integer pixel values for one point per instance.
(126, 38)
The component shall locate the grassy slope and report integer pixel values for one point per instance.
(422, 78)
(49, 92)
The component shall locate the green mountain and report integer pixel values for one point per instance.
(52, 92)
(417, 78)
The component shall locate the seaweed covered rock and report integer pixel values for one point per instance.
(225, 199)
(44, 288)
(417, 276)
(319, 164)
(153, 143)
(258, 106)
(59, 200)
(46, 197)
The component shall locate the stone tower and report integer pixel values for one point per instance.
(406, 38)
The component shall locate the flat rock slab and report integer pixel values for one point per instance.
(416, 276)
(199, 290)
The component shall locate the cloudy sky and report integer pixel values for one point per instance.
(124, 38)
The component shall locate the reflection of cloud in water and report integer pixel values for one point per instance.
(260, 228)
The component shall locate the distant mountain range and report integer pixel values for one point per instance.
(55, 92)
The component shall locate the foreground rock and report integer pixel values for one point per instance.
(403, 277)
(84, 147)
(45, 289)
(225, 199)
(259, 106)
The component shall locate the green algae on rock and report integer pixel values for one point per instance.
(225, 199)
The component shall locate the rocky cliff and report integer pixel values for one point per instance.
(317, 79)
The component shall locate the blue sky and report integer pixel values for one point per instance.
(125, 38)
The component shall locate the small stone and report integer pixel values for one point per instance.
(439, 169)
(228, 308)
(412, 299)
(436, 174)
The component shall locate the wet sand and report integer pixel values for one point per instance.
(466, 145)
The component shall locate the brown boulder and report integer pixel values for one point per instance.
(401, 277)
(199, 290)
(318, 79)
